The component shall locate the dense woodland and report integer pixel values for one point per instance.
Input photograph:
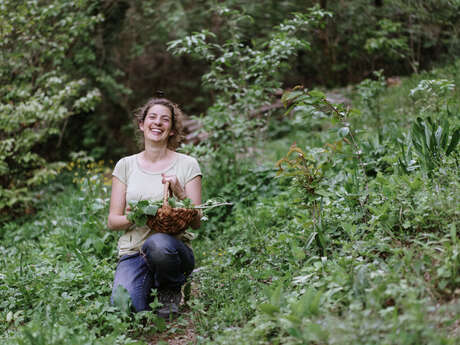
(331, 126)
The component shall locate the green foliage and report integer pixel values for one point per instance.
(140, 210)
(57, 272)
(369, 92)
(242, 77)
(430, 95)
(386, 40)
(43, 45)
(304, 168)
(122, 299)
(430, 141)
(337, 249)
(355, 254)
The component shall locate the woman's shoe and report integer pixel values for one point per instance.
(170, 299)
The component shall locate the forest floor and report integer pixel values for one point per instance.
(177, 333)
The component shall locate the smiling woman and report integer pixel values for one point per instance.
(148, 259)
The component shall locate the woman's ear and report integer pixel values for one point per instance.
(141, 125)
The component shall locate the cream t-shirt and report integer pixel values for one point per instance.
(146, 185)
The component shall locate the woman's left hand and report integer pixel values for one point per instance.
(175, 186)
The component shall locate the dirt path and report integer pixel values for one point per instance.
(178, 332)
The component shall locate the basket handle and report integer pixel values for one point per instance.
(166, 194)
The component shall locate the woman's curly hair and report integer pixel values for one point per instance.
(177, 117)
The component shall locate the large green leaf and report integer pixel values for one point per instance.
(453, 141)
(122, 299)
(268, 308)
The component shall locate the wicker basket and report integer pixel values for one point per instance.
(171, 220)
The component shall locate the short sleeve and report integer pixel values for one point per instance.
(121, 170)
(193, 170)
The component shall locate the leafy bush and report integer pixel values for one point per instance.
(43, 45)
(242, 78)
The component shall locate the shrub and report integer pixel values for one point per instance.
(43, 45)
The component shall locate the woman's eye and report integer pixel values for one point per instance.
(162, 118)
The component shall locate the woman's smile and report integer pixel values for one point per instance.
(157, 131)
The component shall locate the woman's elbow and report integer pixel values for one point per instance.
(109, 223)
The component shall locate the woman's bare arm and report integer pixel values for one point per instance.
(117, 219)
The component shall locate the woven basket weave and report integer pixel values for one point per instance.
(171, 220)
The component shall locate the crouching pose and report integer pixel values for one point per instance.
(150, 260)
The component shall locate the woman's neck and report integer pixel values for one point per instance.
(155, 153)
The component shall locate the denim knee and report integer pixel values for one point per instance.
(169, 259)
(158, 246)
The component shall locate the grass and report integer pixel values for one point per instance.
(363, 258)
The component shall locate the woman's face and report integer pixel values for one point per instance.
(157, 124)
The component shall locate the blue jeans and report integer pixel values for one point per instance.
(163, 262)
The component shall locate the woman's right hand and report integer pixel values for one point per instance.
(174, 185)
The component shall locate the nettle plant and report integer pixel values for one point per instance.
(369, 91)
(337, 114)
(43, 46)
(243, 75)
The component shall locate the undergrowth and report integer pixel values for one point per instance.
(57, 269)
(352, 238)
(359, 244)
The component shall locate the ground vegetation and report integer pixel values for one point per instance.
(345, 220)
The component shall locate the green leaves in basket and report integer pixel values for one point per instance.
(150, 210)
(136, 218)
(172, 202)
(140, 210)
(187, 202)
